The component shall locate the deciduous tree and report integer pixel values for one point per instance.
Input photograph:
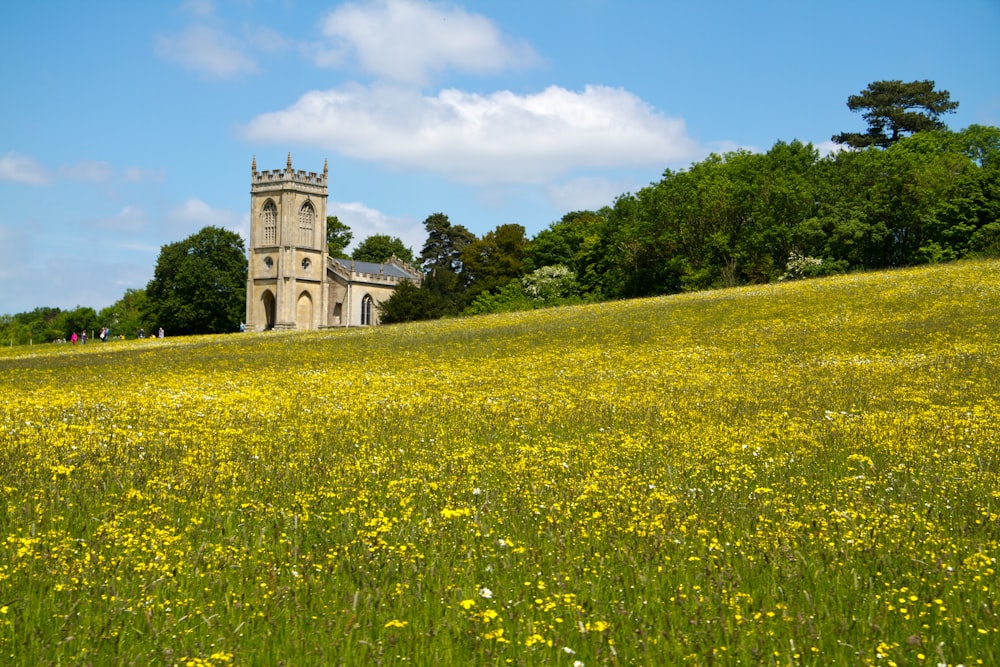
(125, 316)
(338, 237)
(199, 285)
(380, 247)
(494, 260)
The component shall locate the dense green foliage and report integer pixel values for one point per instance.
(338, 237)
(380, 248)
(738, 218)
(495, 260)
(44, 325)
(445, 244)
(128, 315)
(199, 285)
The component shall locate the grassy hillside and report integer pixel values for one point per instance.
(804, 473)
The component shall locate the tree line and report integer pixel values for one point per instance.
(198, 286)
(907, 191)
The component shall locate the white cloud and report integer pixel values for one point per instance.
(503, 137)
(266, 39)
(199, 8)
(827, 148)
(206, 49)
(133, 246)
(139, 174)
(15, 258)
(365, 222)
(728, 146)
(408, 40)
(38, 270)
(194, 214)
(588, 194)
(89, 171)
(130, 219)
(23, 169)
(96, 282)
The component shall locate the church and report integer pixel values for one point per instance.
(292, 281)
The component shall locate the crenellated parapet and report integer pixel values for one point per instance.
(389, 273)
(277, 179)
(413, 274)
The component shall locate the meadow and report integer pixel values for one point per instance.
(794, 474)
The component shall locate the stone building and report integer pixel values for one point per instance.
(292, 282)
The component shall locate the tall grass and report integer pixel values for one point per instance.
(794, 474)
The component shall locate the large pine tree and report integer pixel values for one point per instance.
(894, 109)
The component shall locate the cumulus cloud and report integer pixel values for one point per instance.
(97, 282)
(128, 220)
(589, 193)
(408, 40)
(15, 257)
(207, 50)
(194, 214)
(36, 270)
(199, 8)
(23, 169)
(502, 137)
(139, 174)
(365, 221)
(266, 39)
(827, 148)
(89, 171)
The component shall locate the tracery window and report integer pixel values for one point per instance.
(270, 220)
(307, 218)
(366, 310)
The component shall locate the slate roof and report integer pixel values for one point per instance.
(386, 269)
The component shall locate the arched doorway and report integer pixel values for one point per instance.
(267, 303)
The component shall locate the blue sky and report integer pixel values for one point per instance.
(129, 125)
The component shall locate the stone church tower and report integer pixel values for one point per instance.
(292, 282)
(288, 253)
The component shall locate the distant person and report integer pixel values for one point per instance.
(159, 334)
(142, 332)
(73, 338)
(243, 327)
(83, 337)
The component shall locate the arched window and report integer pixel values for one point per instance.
(270, 222)
(366, 310)
(304, 311)
(307, 220)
